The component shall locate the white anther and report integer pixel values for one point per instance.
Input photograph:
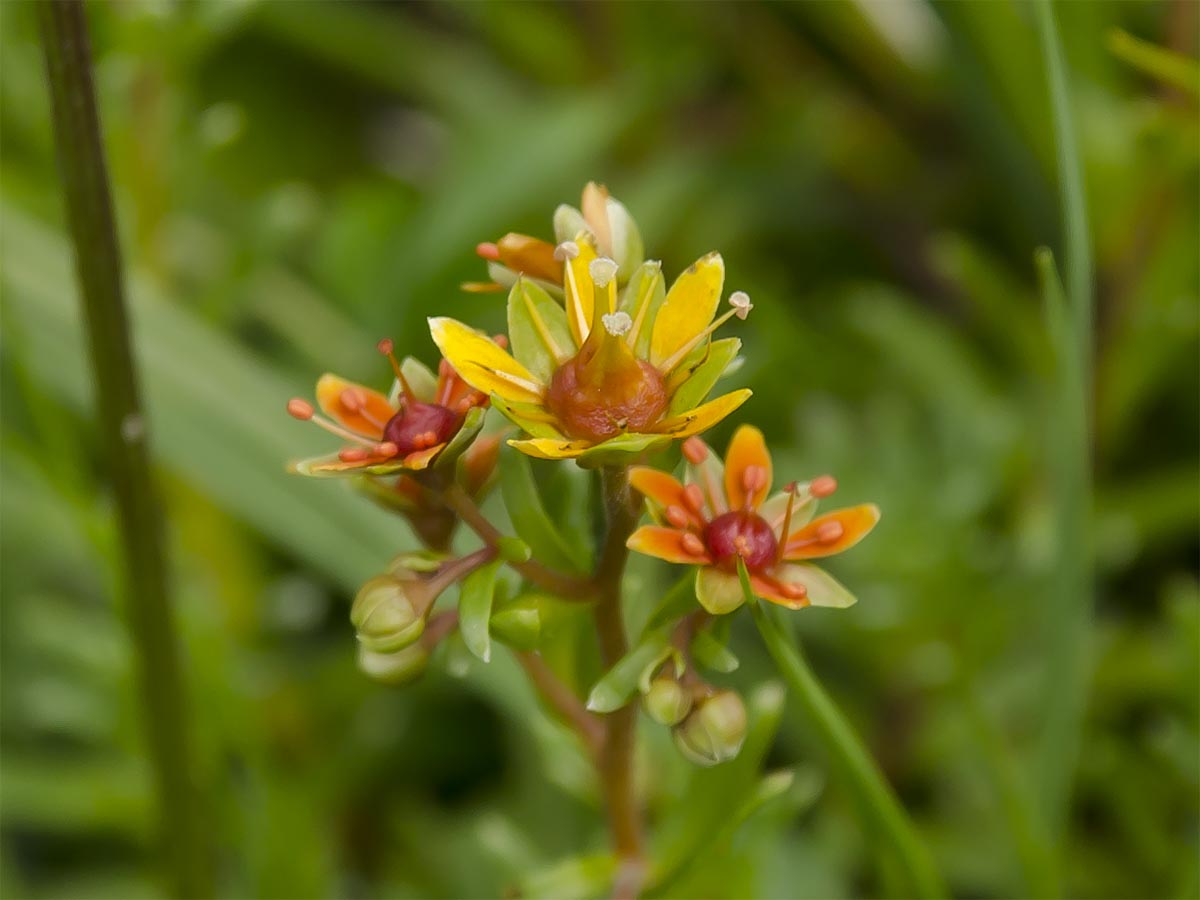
(566, 250)
(603, 270)
(740, 301)
(617, 324)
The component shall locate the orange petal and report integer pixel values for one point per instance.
(358, 408)
(748, 448)
(772, 589)
(530, 256)
(832, 533)
(662, 488)
(420, 459)
(666, 543)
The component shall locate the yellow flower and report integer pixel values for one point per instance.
(725, 513)
(606, 374)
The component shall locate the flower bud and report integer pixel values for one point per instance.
(627, 247)
(399, 667)
(667, 701)
(385, 616)
(714, 731)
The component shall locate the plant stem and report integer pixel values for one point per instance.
(1070, 590)
(563, 586)
(590, 728)
(123, 433)
(847, 752)
(616, 759)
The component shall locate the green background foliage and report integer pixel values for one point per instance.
(295, 180)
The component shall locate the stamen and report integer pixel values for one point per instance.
(603, 270)
(754, 479)
(740, 301)
(352, 400)
(677, 516)
(643, 304)
(795, 591)
(692, 544)
(695, 451)
(740, 309)
(566, 251)
(353, 454)
(693, 498)
(830, 532)
(300, 409)
(617, 324)
(447, 382)
(385, 347)
(822, 486)
(488, 251)
(500, 341)
(387, 448)
(787, 522)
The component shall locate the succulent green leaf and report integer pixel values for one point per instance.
(475, 609)
(528, 514)
(622, 450)
(537, 327)
(712, 653)
(621, 681)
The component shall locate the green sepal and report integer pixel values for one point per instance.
(417, 561)
(527, 304)
(620, 682)
(823, 589)
(528, 514)
(622, 450)
(693, 391)
(718, 592)
(568, 222)
(467, 432)
(525, 416)
(648, 275)
(475, 609)
(711, 652)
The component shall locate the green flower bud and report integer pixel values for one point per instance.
(518, 624)
(399, 667)
(714, 731)
(667, 701)
(385, 616)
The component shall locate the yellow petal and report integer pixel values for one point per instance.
(550, 448)
(702, 417)
(577, 289)
(748, 448)
(481, 363)
(690, 305)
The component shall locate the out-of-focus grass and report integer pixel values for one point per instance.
(296, 180)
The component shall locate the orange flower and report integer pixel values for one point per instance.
(425, 418)
(723, 514)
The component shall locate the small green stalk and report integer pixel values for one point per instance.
(122, 430)
(876, 798)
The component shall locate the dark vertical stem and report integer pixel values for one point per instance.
(616, 758)
(122, 429)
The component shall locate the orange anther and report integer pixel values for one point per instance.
(830, 532)
(693, 497)
(822, 486)
(352, 399)
(488, 250)
(353, 454)
(385, 346)
(387, 448)
(795, 591)
(500, 341)
(300, 409)
(445, 370)
(754, 479)
(695, 451)
(692, 544)
(677, 516)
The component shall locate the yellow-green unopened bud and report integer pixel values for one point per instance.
(667, 701)
(714, 731)
(399, 667)
(384, 616)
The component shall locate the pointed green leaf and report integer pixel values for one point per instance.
(475, 609)
(537, 328)
(693, 391)
(622, 450)
(528, 514)
(471, 426)
(526, 417)
(712, 653)
(621, 681)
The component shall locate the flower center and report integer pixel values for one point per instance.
(743, 534)
(626, 397)
(419, 426)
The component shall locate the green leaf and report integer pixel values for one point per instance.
(711, 652)
(621, 681)
(518, 623)
(513, 550)
(1166, 65)
(647, 277)
(537, 328)
(475, 609)
(526, 417)
(696, 388)
(575, 877)
(529, 517)
(622, 450)
(675, 604)
(472, 423)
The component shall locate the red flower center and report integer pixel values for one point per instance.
(743, 534)
(419, 426)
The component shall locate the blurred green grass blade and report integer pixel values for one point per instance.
(217, 411)
(1160, 63)
(877, 801)
(528, 514)
(1070, 603)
